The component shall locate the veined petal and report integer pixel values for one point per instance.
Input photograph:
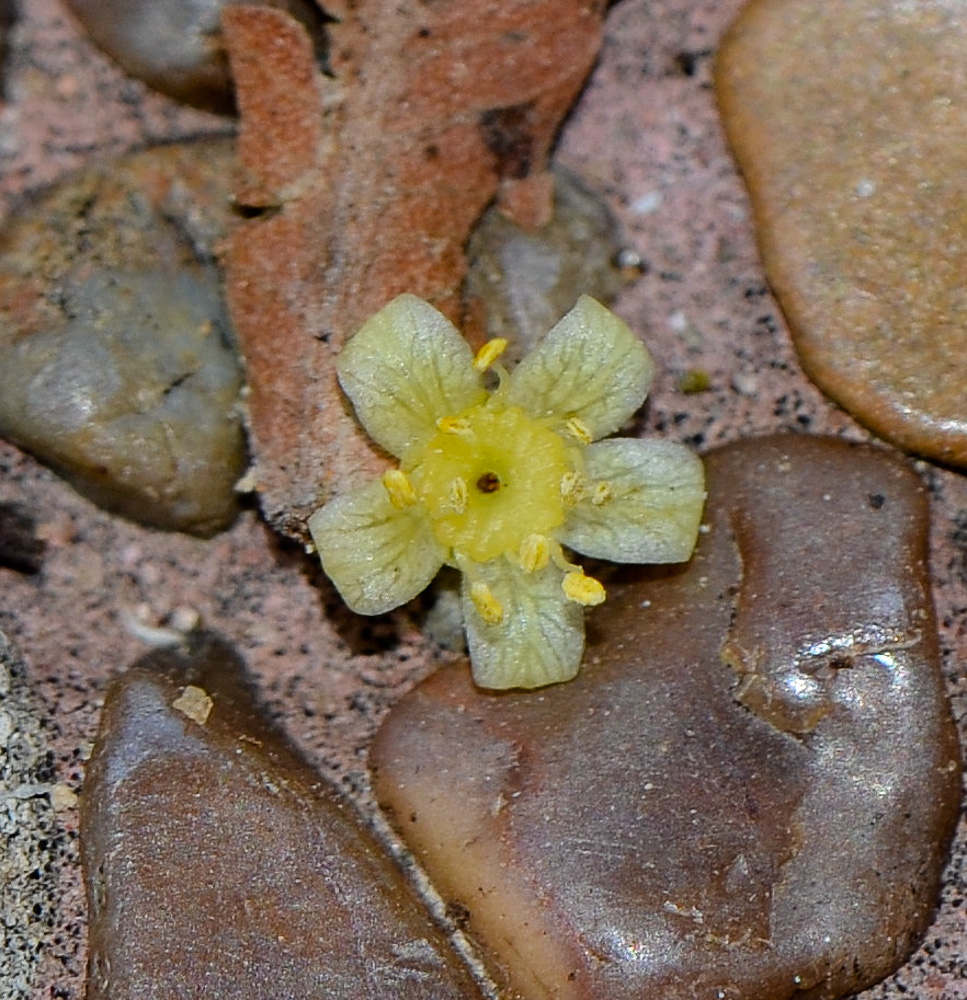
(590, 367)
(651, 509)
(378, 557)
(405, 368)
(540, 636)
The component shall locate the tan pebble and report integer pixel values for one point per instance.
(848, 122)
(195, 703)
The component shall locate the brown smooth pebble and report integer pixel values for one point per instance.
(848, 121)
(220, 865)
(750, 788)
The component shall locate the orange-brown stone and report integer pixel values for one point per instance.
(848, 121)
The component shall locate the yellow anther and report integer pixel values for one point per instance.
(399, 488)
(458, 495)
(535, 552)
(578, 429)
(454, 425)
(488, 607)
(489, 353)
(583, 589)
(601, 493)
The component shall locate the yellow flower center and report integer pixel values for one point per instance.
(490, 480)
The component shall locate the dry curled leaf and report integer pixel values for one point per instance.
(366, 185)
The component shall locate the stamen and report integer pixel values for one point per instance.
(454, 425)
(578, 429)
(489, 353)
(561, 560)
(399, 488)
(502, 382)
(488, 607)
(535, 553)
(572, 487)
(602, 493)
(583, 589)
(458, 495)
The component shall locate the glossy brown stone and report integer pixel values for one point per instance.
(749, 789)
(219, 864)
(848, 120)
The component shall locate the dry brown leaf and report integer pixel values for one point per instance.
(367, 185)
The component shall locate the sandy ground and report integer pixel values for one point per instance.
(646, 134)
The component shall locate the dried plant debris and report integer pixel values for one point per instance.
(28, 827)
(366, 185)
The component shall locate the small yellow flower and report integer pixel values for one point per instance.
(497, 483)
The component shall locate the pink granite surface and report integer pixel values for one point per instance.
(647, 135)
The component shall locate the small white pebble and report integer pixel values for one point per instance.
(185, 619)
(678, 321)
(131, 556)
(865, 188)
(249, 481)
(745, 383)
(151, 635)
(647, 203)
(628, 259)
(62, 797)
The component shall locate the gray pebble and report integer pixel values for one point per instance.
(175, 46)
(116, 359)
(520, 283)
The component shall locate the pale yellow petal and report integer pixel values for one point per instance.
(407, 367)
(377, 555)
(590, 369)
(537, 639)
(651, 508)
